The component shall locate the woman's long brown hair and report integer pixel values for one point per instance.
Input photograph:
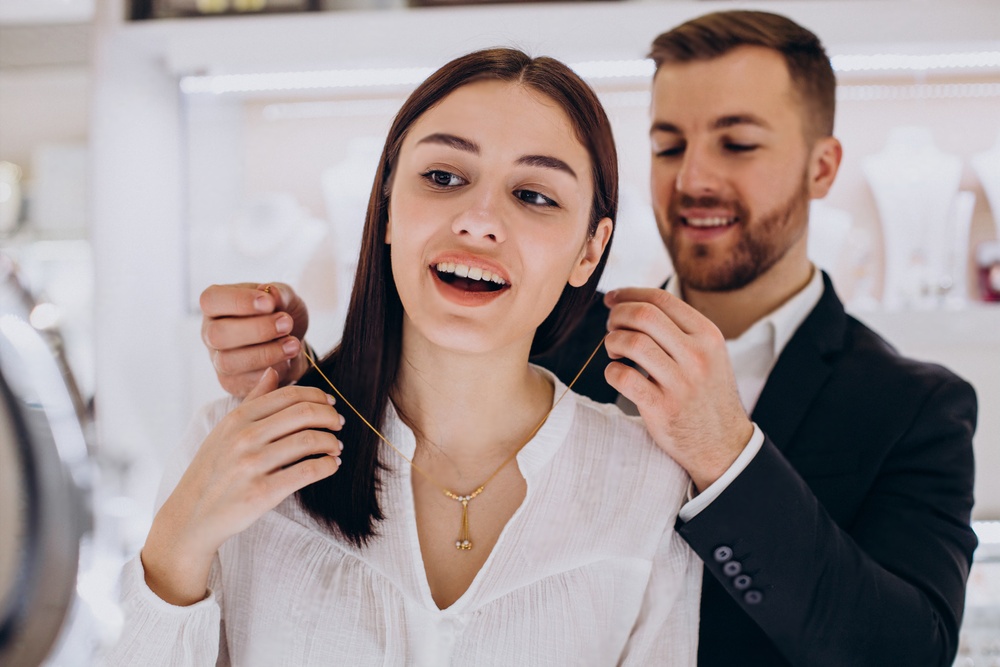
(364, 365)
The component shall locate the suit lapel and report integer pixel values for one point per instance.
(802, 369)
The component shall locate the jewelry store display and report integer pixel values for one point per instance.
(915, 187)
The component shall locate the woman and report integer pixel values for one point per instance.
(486, 521)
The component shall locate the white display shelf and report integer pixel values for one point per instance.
(570, 31)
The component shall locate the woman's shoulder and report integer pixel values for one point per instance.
(621, 441)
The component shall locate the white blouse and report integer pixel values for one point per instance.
(588, 571)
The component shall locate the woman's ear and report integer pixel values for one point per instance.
(590, 255)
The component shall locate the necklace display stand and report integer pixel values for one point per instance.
(270, 236)
(987, 168)
(346, 188)
(915, 186)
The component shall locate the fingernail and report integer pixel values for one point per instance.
(338, 461)
(331, 399)
(261, 304)
(283, 324)
(290, 347)
(341, 445)
(342, 420)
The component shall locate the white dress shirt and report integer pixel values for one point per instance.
(753, 356)
(588, 571)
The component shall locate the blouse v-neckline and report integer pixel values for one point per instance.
(531, 462)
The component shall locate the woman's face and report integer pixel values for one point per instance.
(488, 217)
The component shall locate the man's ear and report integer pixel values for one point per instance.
(824, 162)
(591, 253)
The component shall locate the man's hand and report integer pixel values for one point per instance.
(689, 400)
(247, 330)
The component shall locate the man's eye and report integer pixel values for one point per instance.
(670, 151)
(444, 179)
(741, 148)
(534, 198)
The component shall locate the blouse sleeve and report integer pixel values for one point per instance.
(666, 630)
(155, 632)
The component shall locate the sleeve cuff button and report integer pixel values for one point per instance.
(722, 554)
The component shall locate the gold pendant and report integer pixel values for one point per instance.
(463, 543)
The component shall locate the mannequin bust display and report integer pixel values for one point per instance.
(987, 168)
(346, 188)
(914, 185)
(270, 235)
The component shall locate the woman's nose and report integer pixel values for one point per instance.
(482, 220)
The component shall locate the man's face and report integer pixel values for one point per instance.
(730, 174)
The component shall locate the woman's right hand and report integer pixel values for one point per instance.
(259, 454)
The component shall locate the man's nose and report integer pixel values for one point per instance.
(698, 174)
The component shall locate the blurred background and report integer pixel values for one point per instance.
(149, 148)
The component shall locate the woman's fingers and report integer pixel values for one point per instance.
(258, 406)
(286, 481)
(290, 450)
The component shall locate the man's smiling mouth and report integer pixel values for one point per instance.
(709, 222)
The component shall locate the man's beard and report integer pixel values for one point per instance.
(761, 244)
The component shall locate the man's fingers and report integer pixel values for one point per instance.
(683, 315)
(643, 351)
(230, 333)
(237, 300)
(255, 358)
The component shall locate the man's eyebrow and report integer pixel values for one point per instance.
(546, 161)
(740, 119)
(720, 123)
(452, 141)
(663, 126)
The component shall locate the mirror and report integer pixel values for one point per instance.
(44, 482)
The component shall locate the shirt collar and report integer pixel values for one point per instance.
(781, 322)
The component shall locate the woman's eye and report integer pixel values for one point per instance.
(534, 198)
(444, 179)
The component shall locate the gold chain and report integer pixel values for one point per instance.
(464, 541)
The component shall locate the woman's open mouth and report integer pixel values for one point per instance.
(469, 279)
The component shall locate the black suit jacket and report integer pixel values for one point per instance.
(847, 540)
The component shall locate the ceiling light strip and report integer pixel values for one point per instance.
(918, 92)
(222, 84)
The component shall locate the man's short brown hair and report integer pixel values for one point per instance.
(715, 34)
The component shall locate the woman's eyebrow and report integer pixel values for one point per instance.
(546, 161)
(452, 141)
(458, 143)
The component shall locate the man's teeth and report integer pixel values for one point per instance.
(472, 273)
(709, 222)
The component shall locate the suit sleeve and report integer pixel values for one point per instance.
(886, 589)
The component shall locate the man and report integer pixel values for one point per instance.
(834, 526)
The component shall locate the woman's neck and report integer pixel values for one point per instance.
(467, 406)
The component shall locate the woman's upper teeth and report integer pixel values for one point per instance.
(472, 273)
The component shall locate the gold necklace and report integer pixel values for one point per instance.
(464, 541)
